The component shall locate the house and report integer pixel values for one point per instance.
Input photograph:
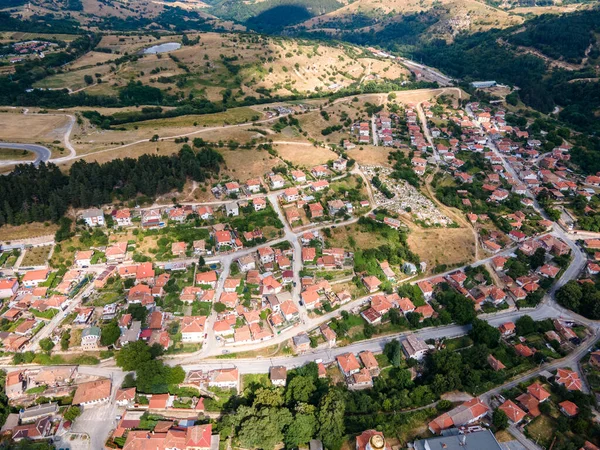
(372, 283)
(320, 185)
(224, 378)
(266, 255)
(93, 217)
(369, 362)
(308, 254)
(467, 413)
(8, 287)
(192, 329)
(90, 338)
(92, 393)
(568, 408)
(348, 364)
(152, 219)
(246, 263)
(507, 329)
(232, 188)
(414, 347)
(205, 212)
(253, 185)
(371, 316)
(83, 258)
(298, 176)
(426, 289)
(259, 203)
(116, 252)
(329, 335)
(316, 210)
(340, 164)
(360, 380)
(291, 194)
(524, 351)
(319, 171)
(34, 277)
(277, 181)
(177, 215)
(207, 278)
(125, 397)
(569, 379)
(512, 411)
(335, 206)
(232, 209)
(495, 363)
(34, 431)
(178, 249)
(122, 217)
(301, 341)
(278, 375)
(288, 310)
(537, 391)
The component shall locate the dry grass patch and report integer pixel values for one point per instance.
(304, 154)
(29, 231)
(451, 246)
(246, 164)
(40, 127)
(370, 155)
(344, 236)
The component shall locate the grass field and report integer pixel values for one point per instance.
(36, 256)
(42, 127)
(304, 153)
(451, 246)
(31, 230)
(541, 430)
(230, 117)
(9, 154)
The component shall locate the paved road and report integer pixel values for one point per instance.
(42, 153)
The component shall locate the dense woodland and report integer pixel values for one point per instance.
(43, 193)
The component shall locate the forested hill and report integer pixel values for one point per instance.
(35, 194)
(494, 55)
(271, 16)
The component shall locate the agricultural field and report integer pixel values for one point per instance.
(36, 256)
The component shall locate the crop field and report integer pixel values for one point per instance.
(36, 256)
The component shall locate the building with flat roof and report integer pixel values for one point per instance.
(478, 440)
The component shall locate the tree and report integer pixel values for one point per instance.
(268, 397)
(263, 428)
(500, 420)
(393, 351)
(300, 431)
(72, 413)
(299, 389)
(110, 333)
(368, 330)
(133, 355)
(88, 79)
(483, 333)
(331, 420)
(138, 312)
(47, 345)
(525, 325)
(537, 259)
(219, 307)
(570, 295)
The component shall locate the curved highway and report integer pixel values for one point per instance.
(42, 153)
